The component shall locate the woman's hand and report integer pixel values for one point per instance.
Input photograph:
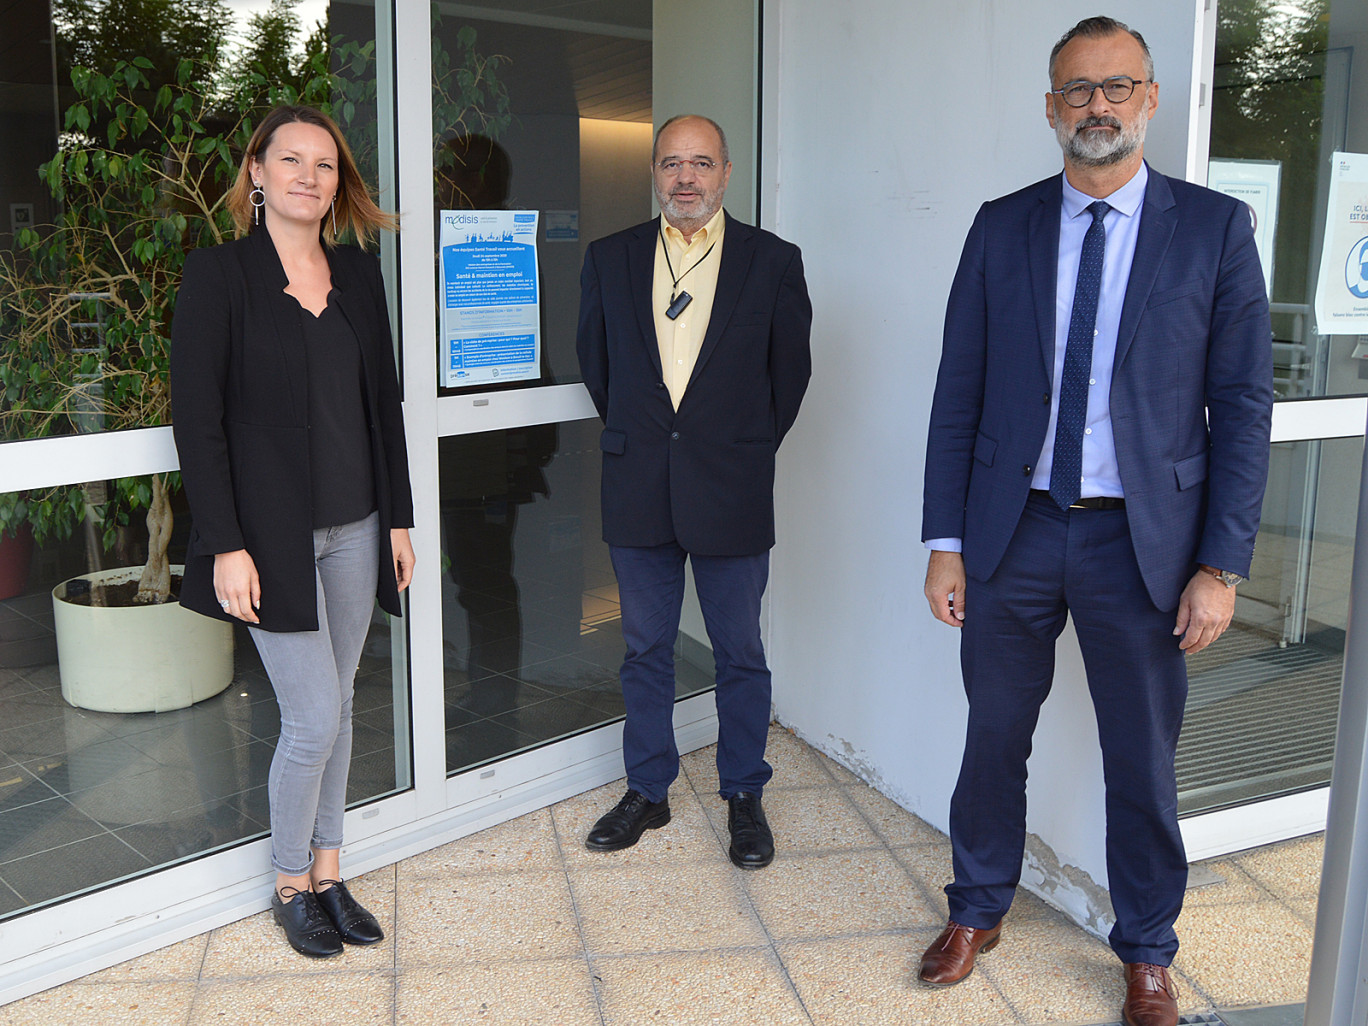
(237, 585)
(404, 558)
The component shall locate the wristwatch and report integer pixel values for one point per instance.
(1227, 577)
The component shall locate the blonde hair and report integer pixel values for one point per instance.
(353, 206)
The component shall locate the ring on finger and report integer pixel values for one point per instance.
(224, 603)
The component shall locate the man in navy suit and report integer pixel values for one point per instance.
(1098, 448)
(693, 341)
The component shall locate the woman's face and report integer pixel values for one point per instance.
(298, 173)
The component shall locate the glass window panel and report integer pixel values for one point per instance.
(1282, 96)
(131, 745)
(558, 120)
(122, 127)
(101, 780)
(1263, 701)
(532, 636)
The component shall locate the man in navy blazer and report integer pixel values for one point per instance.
(693, 342)
(1098, 448)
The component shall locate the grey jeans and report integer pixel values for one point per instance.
(312, 673)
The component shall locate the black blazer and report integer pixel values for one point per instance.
(241, 420)
(702, 476)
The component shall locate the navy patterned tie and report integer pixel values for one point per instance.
(1066, 472)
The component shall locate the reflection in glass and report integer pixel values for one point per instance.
(532, 636)
(88, 797)
(121, 136)
(1282, 95)
(554, 115)
(1263, 700)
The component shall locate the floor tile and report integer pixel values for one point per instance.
(894, 824)
(332, 999)
(808, 821)
(836, 894)
(795, 764)
(1289, 870)
(124, 1004)
(697, 989)
(688, 837)
(1049, 974)
(868, 981)
(525, 843)
(1235, 886)
(1248, 954)
(663, 907)
(497, 917)
(175, 962)
(547, 993)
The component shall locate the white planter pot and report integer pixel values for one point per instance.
(138, 658)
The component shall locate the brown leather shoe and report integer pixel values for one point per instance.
(951, 958)
(1151, 996)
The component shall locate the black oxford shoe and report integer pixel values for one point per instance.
(353, 922)
(307, 927)
(629, 819)
(752, 843)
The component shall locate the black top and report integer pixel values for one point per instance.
(340, 474)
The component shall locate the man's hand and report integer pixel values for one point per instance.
(945, 587)
(1204, 612)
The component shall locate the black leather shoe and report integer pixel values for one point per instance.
(630, 818)
(752, 843)
(353, 922)
(307, 927)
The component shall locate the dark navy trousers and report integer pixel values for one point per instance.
(1080, 563)
(651, 590)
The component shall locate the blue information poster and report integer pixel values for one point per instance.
(490, 327)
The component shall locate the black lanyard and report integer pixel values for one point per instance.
(665, 248)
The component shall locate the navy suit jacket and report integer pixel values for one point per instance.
(702, 476)
(1191, 396)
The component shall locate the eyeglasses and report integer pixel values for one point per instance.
(1117, 89)
(674, 165)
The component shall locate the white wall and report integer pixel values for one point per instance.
(876, 171)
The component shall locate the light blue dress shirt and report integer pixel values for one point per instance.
(1101, 475)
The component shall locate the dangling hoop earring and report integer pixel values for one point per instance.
(258, 199)
(333, 207)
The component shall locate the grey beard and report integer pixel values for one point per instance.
(1100, 151)
(677, 217)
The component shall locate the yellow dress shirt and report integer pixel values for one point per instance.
(680, 339)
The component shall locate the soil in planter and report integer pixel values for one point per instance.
(115, 595)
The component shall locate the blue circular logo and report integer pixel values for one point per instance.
(1356, 268)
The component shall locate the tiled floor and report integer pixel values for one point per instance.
(520, 924)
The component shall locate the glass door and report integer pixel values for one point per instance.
(1263, 701)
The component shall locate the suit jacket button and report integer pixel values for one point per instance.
(1026, 470)
(661, 384)
(1046, 398)
(674, 434)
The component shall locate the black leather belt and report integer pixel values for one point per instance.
(1091, 502)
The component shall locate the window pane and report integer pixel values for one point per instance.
(559, 123)
(532, 635)
(121, 135)
(1263, 701)
(1281, 106)
(105, 776)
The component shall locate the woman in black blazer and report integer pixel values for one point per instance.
(287, 419)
